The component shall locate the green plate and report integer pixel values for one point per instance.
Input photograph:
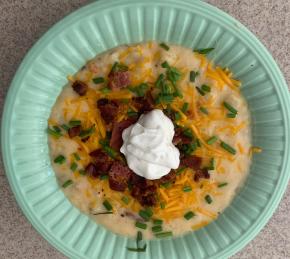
(106, 24)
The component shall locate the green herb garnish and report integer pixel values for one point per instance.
(118, 67)
(57, 129)
(193, 75)
(73, 166)
(231, 115)
(180, 170)
(208, 199)
(164, 46)
(205, 88)
(125, 199)
(67, 183)
(76, 156)
(107, 205)
(228, 148)
(212, 140)
(132, 113)
(162, 205)
(203, 110)
(65, 127)
(188, 215)
(211, 164)
(53, 133)
(203, 51)
(177, 116)
(157, 221)
(187, 189)
(104, 177)
(230, 108)
(185, 107)
(140, 225)
(156, 229)
(166, 185)
(74, 123)
(105, 90)
(102, 213)
(189, 148)
(222, 185)
(164, 99)
(88, 132)
(98, 80)
(138, 240)
(140, 90)
(59, 159)
(145, 214)
(82, 172)
(163, 234)
(188, 133)
(202, 93)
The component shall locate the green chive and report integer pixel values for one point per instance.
(145, 214)
(164, 99)
(211, 164)
(163, 234)
(188, 215)
(57, 129)
(102, 213)
(140, 225)
(157, 221)
(230, 108)
(203, 110)
(180, 170)
(208, 199)
(65, 127)
(188, 133)
(212, 140)
(53, 133)
(185, 107)
(111, 152)
(59, 159)
(202, 93)
(87, 132)
(165, 64)
(166, 185)
(198, 142)
(160, 81)
(162, 205)
(156, 229)
(82, 172)
(117, 67)
(76, 156)
(73, 166)
(187, 189)
(149, 212)
(74, 123)
(203, 51)
(105, 90)
(104, 177)
(164, 46)
(231, 115)
(193, 75)
(138, 250)
(222, 185)
(107, 205)
(228, 148)
(98, 80)
(177, 116)
(125, 199)
(205, 88)
(140, 90)
(132, 113)
(67, 183)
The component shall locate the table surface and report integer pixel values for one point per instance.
(23, 22)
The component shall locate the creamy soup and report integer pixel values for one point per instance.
(212, 133)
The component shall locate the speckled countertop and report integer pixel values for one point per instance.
(22, 22)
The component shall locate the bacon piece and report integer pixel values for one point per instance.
(74, 131)
(144, 104)
(102, 161)
(118, 79)
(169, 178)
(180, 138)
(193, 162)
(201, 173)
(108, 109)
(80, 87)
(92, 170)
(116, 139)
(119, 176)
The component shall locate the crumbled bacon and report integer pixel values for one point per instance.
(193, 162)
(119, 176)
(118, 79)
(201, 173)
(74, 131)
(101, 161)
(180, 138)
(108, 109)
(142, 104)
(80, 87)
(92, 170)
(169, 178)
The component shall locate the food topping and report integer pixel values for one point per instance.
(80, 87)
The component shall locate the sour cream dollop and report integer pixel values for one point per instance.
(148, 147)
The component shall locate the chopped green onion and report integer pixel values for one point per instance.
(164, 99)
(211, 164)
(165, 64)
(185, 107)
(87, 132)
(203, 51)
(208, 199)
(189, 148)
(82, 172)
(98, 80)
(149, 212)
(202, 93)
(188, 133)
(212, 140)
(160, 81)
(228, 148)
(139, 90)
(117, 67)
(156, 229)
(189, 215)
(180, 170)
(67, 183)
(111, 152)
(105, 90)
(163, 234)
(132, 113)
(74, 123)
(231, 115)
(125, 199)
(57, 129)
(166, 185)
(187, 189)
(76, 156)
(104, 177)
(157, 221)
(222, 185)
(65, 127)
(164, 46)
(59, 159)
(205, 88)
(177, 116)
(198, 142)
(230, 108)
(138, 240)
(73, 166)
(102, 213)
(193, 75)
(162, 205)
(53, 133)
(140, 225)
(145, 214)
(203, 110)
(107, 205)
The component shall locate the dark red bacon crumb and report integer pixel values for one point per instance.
(118, 79)
(180, 138)
(193, 162)
(201, 173)
(119, 176)
(169, 178)
(143, 105)
(74, 131)
(101, 161)
(80, 87)
(108, 109)
(91, 170)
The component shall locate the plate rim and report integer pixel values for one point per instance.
(36, 49)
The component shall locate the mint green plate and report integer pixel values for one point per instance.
(106, 24)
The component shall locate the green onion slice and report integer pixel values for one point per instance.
(164, 46)
(201, 92)
(98, 80)
(67, 183)
(208, 199)
(189, 215)
(140, 225)
(163, 234)
(157, 222)
(74, 123)
(212, 140)
(53, 133)
(228, 148)
(125, 199)
(222, 185)
(157, 228)
(73, 166)
(230, 108)
(76, 156)
(60, 159)
(193, 75)
(102, 213)
(187, 189)
(185, 107)
(203, 110)
(107, 205)
(203, 51)
(205, 88)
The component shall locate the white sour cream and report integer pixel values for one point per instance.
(148, 147)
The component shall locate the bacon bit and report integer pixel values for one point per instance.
(91, 170)
(179, 137)
(119, 176)
(108, 109)
(201, 173)
(74, 131)
(193, 162)
(80, 87)
(101, 161)
(119, 79)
